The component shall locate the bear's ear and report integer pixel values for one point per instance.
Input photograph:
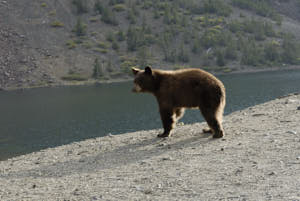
(148, 70)
(135, 70)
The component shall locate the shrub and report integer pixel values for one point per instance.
(80, 28)
(115, 45)
(120, 36)
(71, 44)
(272, 51)
(97, 69)
(98, 7)
(108, 17)
(291, 50)
(52, 13)
(81, 6)
(93, 19)
(220, 58)
(87, 44)
(119, 7)
(102, 45)
(100, 50)
(260, 7)
(252, 54)
(57, 24)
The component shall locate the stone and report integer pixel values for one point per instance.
(292, 132)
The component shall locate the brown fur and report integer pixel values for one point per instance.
(188, 88)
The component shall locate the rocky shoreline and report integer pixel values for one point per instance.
(259, 159)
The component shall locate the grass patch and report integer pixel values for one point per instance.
(71, 44)
(57, 24)
(52, 13)
(119, 7)
(100, 50)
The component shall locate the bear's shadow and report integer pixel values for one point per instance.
(124, 155)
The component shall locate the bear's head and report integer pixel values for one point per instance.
(144, 80)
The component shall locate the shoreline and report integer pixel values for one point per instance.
(259, 159)
(127, 79)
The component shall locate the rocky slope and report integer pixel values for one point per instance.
(259, 159)
(39, 43)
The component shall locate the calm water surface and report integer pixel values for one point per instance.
(35, 119)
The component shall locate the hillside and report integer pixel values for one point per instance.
(51, 42)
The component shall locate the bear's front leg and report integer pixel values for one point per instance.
(167, 120)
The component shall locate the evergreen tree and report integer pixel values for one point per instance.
(108, 16)
(290, 48)
(97, 71)
(98, 7)
(120, 36)
(81, 6)
(132, 39)
(80, 28)
(115, 45)
(183, 55)
(143, 56)
(220, 58)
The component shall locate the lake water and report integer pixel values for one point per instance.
(35, 119)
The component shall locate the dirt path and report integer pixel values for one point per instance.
(259, 159)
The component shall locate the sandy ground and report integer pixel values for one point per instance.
(259, 159)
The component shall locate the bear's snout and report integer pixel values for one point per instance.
(137, 88)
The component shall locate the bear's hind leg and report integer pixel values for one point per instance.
(213, 122)
(167, 117)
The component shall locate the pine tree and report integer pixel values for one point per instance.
(97, 71)
(81, 6)
(98, 7)
(80, 28)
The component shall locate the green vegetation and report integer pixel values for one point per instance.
(108, 16)
(80, 28)
(260, 7)
(71, 44)
(97, 69)
(181, 33)
(81, 6)
(57, 24)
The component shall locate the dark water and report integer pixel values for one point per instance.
(35, 119)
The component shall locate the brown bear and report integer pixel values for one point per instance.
(179, 89)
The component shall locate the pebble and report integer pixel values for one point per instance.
(298, 108)
(292, 132)
(167, 159)
(272, 173)
(288, 101)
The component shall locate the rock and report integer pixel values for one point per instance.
(292, 132)
(298, 108)
(258, 114)
(288, 101)
(272, 173)
(167, 159)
